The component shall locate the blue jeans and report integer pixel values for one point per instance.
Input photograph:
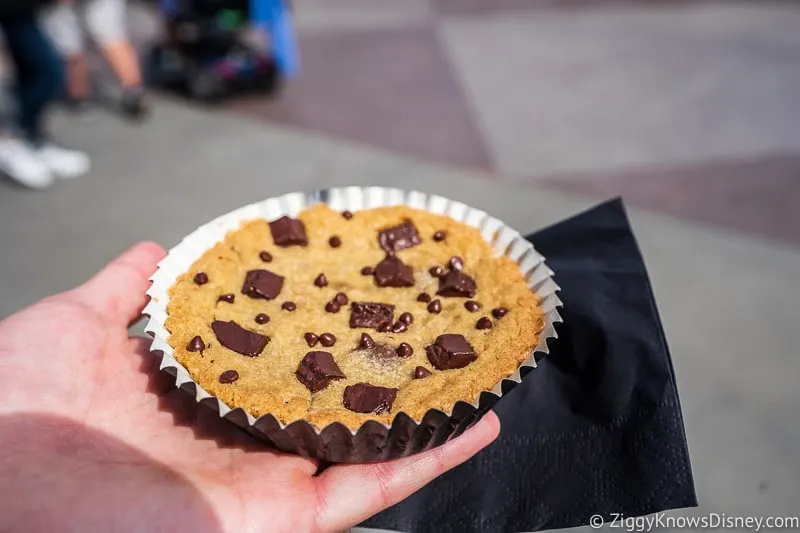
(38, 71)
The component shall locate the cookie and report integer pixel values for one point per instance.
(349, 317)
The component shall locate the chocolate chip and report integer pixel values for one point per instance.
(456, 263)
(311, 339)
(201, 278)
(450, 351)
(421, 372)
(472, 306)
(226, 298)
(436, 271)
(262, 284)
(332, 307)
(406, 318)
(384, 328)
(265, 256)
(370, 314)
(392, 272)
(317, 370)
(367, 271)
(288, 232)
(366, 398)
(456, 283)
(424, 297)
(499, 312)
(321, 281)
(483, 323)
(439, 236)
(229, 376)
(289, 306)
(366, 342)
(341, 298)
(234, 337)
(347, 215)
(399, 237)
(435, 306)
(327, 340)
(399, 327)
(262, 318)
(405, 350)
(196, 345)
(335, 241)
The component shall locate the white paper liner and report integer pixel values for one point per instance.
(504, 241)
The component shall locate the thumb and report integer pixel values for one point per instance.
(117, 292)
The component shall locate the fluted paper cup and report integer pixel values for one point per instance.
(372, 441)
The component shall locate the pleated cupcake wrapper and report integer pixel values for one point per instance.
(373, 441)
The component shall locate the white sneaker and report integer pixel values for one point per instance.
(20, 162)
(62, 162)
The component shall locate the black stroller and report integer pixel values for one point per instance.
(204, 53)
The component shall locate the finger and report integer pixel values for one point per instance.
(348, 494)
(118, 291)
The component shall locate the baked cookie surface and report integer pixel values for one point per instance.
(340, 317)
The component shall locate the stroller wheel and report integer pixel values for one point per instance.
(205, 85)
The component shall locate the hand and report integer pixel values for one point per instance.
(93, 438)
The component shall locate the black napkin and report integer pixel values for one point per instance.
(597, 427)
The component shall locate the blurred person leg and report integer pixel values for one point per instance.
(64, 28)
(33, 159)
(106, 22)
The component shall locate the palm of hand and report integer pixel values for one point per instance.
(85, 417)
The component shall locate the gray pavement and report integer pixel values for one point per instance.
(729, 303)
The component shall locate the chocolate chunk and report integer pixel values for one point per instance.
(382, 352)
(436, 271)
(367, 271)
(399, 327)
(421, 372)
(321, 281)
(499, 312)
(335, 241)
(341, 298)
(392, 272)
(265, 256)
(456, 263)
(406, 318)
(405, 350)
(226, 298)
(327, 340)
(229, 376)
(311, 339)
(288, 232)
(399, 237)
(332, 307)
(289, 306)
(196, 345)
(347, 215)
(450, 351)
(439, 236)
(317, 370)
(366, 342)
(483, 323)
(262, 318)
(472, 306)
(366, 398)
(384, 328)
(234, 337)
(201, 278)
(370, 315)
(435, 306)
(262, 284)
(424, 297)
(456, 283)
